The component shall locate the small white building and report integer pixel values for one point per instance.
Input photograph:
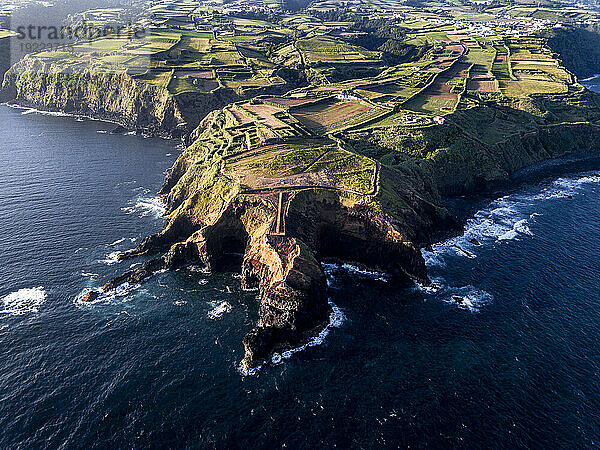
(346, 95)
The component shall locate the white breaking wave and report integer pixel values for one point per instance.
(111, 258)
(195, 268)
(78, 117)
(145, 206)
(330, 269)
(336, 320)
(504, 219)
(220, 310)
(88, 274)
(592, 78)
(465, 297)
(468, 297)
(567, 187)
(120, 241)
(23, 301)
(47, 113)
(122, 290)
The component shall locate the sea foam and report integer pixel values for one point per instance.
(219, 310)
(331, 269)
(505, 219)
(23, 301)
(145, 206)
(111, 258)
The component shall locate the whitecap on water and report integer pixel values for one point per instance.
(120, 291)
(195, 268)
(111, 258)
(220, 310)
(23, 301)
(468, 297)
(503, 219)
(88, 274)
(435, 286)
(592, 78)
(506, 218)
(145, 206)
(330, 269)
(567, 187)
(28, 111)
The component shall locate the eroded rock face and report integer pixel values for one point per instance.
(293, 294)
(285, 268)
(116, 97)
(211, 214)
(356, 233)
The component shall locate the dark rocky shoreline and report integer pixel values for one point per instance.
(209, 216)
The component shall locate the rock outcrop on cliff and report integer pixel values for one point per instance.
(112, 96)
(264, 179)
(283, 234)
(116, 96)
(228, 194)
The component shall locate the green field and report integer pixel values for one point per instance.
(319, 56)
(323, 50)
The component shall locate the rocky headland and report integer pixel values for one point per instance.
(288, 180)
(224, 196)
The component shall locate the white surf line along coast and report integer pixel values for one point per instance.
(504, 219)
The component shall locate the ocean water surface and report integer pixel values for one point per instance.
(502, 351)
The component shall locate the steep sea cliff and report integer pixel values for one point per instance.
(211, 215)
(512, 364)
(116, 96)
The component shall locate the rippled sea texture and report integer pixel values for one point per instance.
(502, 352)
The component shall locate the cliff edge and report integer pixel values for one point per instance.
(287, 197)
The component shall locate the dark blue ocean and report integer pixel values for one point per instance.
(503, 350)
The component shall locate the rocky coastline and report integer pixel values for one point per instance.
(285, 233)
(216, 217)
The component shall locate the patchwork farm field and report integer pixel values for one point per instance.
(331, 114)
(323, 50)
(330, 69)
(443, 94)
